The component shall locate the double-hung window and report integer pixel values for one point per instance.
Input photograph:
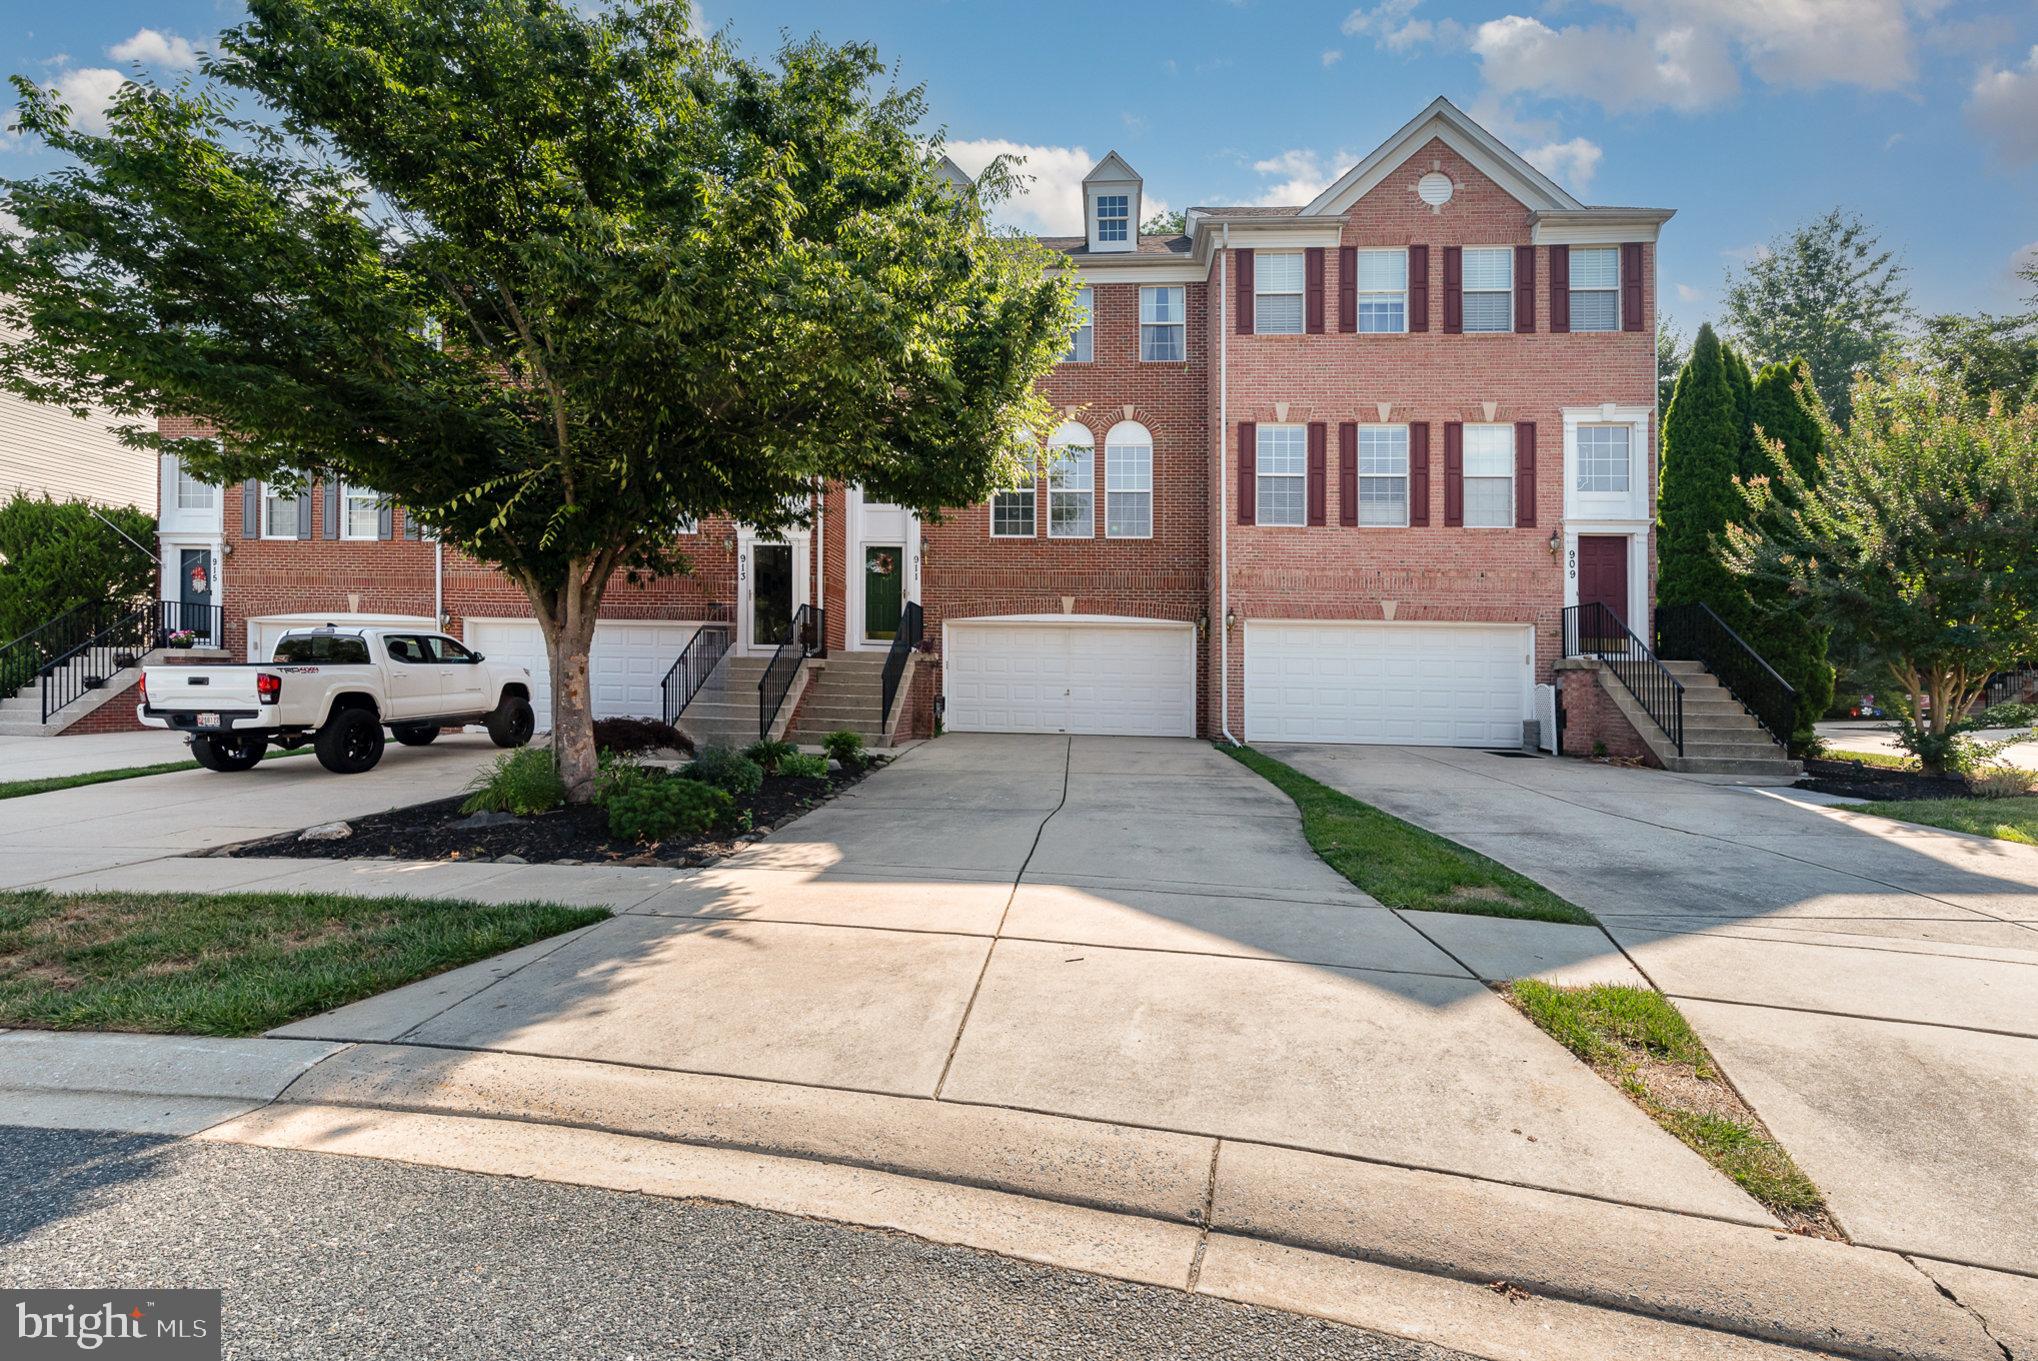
(279, 512)
(1595, 288)
(1489, 476)
(1084, 343)
(1280, 474)
(1277, 293)
(1489, 288)
(1012, 510)
(1071, 484)
(1383, 290)
(360, 514)
(1383, 475)
(1604, 457)
(1114, 217)
(1128, 482)
(1161, 325)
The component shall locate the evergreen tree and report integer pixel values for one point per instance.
(1790, 453)
(1742, 380)
(1702, 451)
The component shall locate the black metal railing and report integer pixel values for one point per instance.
(23, 659)
(911, 626)
(697, 661)
(801, 641)
(2009, 687)
(1595, 631)
(1694, 633)
(120, 643)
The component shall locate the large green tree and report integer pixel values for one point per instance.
(1825, 292)
(1985, 354)
(1703, 443)
(1920, 546)
(556, 281)
(1673, 351)
(1791, 638)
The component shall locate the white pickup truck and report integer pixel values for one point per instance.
(337, 689)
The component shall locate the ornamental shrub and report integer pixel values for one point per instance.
(770, 753)
(727, 769)
(803, 766)
(846, 746)
(663, 806)
(524, 781)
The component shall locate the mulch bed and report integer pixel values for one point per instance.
(1852, 780)
(577, 835)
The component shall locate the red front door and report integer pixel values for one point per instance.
(1603, 573)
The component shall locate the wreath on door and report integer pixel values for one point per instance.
(883, 565)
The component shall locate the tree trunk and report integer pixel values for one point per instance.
(569, 634)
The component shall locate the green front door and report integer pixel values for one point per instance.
(884, 570)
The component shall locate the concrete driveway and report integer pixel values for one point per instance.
(1870, 986)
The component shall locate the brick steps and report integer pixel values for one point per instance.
(846, 692)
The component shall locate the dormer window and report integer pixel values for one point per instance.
(1114, 217)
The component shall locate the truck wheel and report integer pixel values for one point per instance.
(227, 753)
(350, 742)
(416, 734)
(512, 722)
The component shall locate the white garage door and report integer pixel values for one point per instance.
(1129, 679)
(629, 660)
(1439, 685)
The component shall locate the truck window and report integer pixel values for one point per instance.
(322, 649)
(446, 650)
(406, 649)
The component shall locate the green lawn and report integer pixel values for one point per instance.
(2014, 819)
(1402, 865)
(14, 789)
(1885, 760)
(236, 963)
(1637, 1039)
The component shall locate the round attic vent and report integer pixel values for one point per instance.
(1434, 189)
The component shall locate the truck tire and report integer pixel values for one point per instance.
(228, 753)
(512, 722)
(350, 742)
(416, 734)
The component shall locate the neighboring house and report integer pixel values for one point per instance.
(45, 450)
(1327, 472)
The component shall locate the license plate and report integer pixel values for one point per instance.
(208, 720)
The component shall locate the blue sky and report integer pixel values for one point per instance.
(1747, 116)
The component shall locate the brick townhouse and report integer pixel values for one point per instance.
(1324, 472)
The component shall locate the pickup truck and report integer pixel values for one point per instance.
(337, 689)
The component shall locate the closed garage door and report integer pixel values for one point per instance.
(1127, 678)
(629, 660)
(1442, 685)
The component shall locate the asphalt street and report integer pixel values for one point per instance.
(329, 1257)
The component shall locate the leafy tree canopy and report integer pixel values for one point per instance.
(1673, 351)
(1165, 224)
(1827, 293)
(1984, 354)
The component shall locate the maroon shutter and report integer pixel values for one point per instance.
(1312, 290)
(1316, 472)
(1348, 472)
(1631, 286)
(1525, 289)
(1454, 474)
(1525, 474)
(1560, 288)
(1454, 290)
(1418, 288)
(1248, 451)
(1418, 472)
(1347, 288)
(1245, 296)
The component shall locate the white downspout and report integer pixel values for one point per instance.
(821, 566)
(438, 583)
(1224, 491)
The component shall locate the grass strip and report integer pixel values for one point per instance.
(1402, 865)
(14, 789)
(1882, 760)
(2013, 819)
(1638, 1040)
(236, 963)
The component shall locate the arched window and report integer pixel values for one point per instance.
(1071, 482)
(1128, 482)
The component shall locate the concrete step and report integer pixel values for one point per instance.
(1737, 751)
(1710, 765)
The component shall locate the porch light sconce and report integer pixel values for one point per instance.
(728, 543)
(1203, 624)
(1230, 619)
(1556, 543)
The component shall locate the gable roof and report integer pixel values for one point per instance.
(1112, 168)
(1445, 120)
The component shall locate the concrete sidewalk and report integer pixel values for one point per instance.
(41, 758)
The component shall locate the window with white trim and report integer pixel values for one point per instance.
(1383, 475)
(1280, 474)
(1489, 476)
(1012, 512)
(1071, 484)
(1162, 324)
(1383, 290)
(279, 512)
(1605, 457)
(1488, 279)
(687, 524)
(1595, 288)
(193, 494)
(1114, 217)
(360, 514)
(1277, 293)
(1128, 482)
(1083, 345)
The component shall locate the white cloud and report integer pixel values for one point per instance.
(153, 47)
(1572, 163)
(1392, 25)
(88, 93)
(2003, 108)
(1303, 175)
(1332, 56)
(1686, 293)
(1052, 200)
(1620, 68)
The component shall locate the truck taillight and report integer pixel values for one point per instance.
(141, 688)
(268, 688)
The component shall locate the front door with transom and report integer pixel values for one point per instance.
(194, 593)
(768, 587)
(1603, 574)
(884, 574)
